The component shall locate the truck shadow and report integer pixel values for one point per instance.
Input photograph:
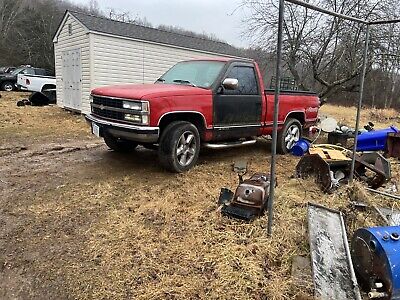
(146, 161)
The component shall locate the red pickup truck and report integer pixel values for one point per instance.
(214, 103)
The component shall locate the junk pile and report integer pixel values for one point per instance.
(372, 260)
(331, 166)
(250, 198)
(38, 99)
(331, 163)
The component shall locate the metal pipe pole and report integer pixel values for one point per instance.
(326, 11)
(276, 115)
(382, 22)
(364, 71)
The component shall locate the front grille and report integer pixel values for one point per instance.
(107, 101)
(109, 114)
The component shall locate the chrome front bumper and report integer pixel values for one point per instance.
(140, 134)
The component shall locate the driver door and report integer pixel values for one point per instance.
(237, 113)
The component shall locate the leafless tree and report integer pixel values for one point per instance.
(321, 52)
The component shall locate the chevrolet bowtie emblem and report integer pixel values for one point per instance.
(101, 107)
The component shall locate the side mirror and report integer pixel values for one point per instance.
(230, 83)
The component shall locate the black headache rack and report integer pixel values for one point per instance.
(290, 92)
(288, 86)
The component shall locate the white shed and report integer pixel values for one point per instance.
(93, 51)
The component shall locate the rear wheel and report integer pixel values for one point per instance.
(119, 145)
(7, 86)
(179, 146)
(288, 136)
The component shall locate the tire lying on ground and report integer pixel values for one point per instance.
(24, 102)
(39, 99)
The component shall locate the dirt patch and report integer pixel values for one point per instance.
(79, 221)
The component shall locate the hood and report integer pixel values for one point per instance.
(6, 75)
(139, 91)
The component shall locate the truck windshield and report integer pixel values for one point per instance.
(194, 73)
(16, 71)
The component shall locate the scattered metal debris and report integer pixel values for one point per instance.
(330, 167)
(373, 168)
(383, 193)
(390, 216)
(393, 145)
(240, 167)
(249, 200)
(359, 205)
(333, 272)
(376, 255)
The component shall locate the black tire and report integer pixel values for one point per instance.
(7, 86)
(178, 137)
(283, 146)
(119, 145)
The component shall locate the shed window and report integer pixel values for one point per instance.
(70, 29)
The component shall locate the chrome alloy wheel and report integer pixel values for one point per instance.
(292, 136)
(186, 148)
(8, 87)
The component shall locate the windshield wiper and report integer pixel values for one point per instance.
(184, 82)
(160, 80)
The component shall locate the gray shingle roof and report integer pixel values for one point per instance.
(104, 25)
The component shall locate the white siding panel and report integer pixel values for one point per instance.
(118, 60)
(78, 40)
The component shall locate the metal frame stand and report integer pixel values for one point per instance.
(277, 89)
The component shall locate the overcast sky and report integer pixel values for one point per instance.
(220, 17)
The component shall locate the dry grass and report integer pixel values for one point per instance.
(20, 124)
(347, 115)
(120, 228)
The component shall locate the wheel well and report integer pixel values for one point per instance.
(48, 86)
(195, 118)
(298, 116)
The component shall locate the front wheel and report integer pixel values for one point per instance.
(179, 146)
(119, 145)
(288, 136)
(7, 86)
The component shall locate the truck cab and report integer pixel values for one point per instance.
(216, 103)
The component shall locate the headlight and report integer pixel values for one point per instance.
(135, 105)
(141, 107)
(133, 118)
(142, 119)
(132, 105)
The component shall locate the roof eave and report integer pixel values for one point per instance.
(163, 44)
(62, 23)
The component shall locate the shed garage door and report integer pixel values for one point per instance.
(72, 79)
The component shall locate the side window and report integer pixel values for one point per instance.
(40, 72)
(29, 72)
(247, 80)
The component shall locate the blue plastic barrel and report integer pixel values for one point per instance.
(300, 148)
(375, 254)
(374, 140)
